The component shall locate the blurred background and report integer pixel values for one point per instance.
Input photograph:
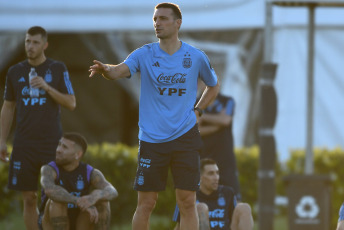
(231, 32)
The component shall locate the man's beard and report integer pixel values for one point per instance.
(32, 55)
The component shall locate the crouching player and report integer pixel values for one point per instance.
(74, 194)
(217, 206)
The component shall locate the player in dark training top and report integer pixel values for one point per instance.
(217, 206)
(216, 130)
(38, 127)
(75, 195)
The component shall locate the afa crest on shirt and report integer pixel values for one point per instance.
(187, 63)
(80, 183)
(140, 180)
(221, 201)
(48, 77)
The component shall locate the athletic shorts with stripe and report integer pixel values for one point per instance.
(25, 165)
(181, 155)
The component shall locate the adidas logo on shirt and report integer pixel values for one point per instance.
(156, 64)
(22, 79)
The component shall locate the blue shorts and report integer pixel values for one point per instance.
(181, 154)
(25, 166)
(341, 213)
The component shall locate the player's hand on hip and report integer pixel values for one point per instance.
(98, 68)
(3, 153)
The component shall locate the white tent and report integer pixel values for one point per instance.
(289, 52)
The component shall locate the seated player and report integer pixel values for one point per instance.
(74, 194)
(217, 205)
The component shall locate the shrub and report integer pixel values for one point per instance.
(327, 162)
(118, 163)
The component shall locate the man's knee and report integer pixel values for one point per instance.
(147, 206)
(147, 201)
(30, 198)
(104, 214)
(186, 200)
(243, 209)
(202, 209)
(55, 214)
(340, 225)
(57, 208)
(103, 207)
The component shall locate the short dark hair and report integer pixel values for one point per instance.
(174, 7)
(38, 30)
(78, 139)
(206, 161)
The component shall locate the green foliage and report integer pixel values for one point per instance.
(7, 196)
(247, 163)
(326, 162)
(118, 163)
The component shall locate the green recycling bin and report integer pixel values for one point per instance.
(309, 202)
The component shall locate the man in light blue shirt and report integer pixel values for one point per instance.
(168, 134)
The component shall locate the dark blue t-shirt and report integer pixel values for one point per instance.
(219, 145)
(38, 119)
(76, 182)
(225, 134)
(221, 204)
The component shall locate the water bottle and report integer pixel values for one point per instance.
(34, 92)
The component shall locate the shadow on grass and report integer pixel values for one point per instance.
(14, 221)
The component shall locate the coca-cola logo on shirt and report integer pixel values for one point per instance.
(172, 79)
(26, 91)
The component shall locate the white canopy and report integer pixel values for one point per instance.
(289, 52)
(106, 15)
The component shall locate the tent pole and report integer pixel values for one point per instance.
(310, 92)
(268, 32)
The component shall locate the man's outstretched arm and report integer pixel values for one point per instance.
(109, 72)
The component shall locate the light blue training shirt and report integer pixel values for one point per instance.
(168, 89)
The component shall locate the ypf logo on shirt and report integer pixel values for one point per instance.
(48, 77)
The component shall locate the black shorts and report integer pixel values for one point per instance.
(25, 166)
(181, 154)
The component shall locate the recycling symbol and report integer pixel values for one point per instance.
(307, 207)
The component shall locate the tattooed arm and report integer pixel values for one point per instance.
(102, 191)
(53, 191)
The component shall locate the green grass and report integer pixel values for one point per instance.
(14, 221)
(280, 223)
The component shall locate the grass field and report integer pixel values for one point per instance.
(15, 222)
